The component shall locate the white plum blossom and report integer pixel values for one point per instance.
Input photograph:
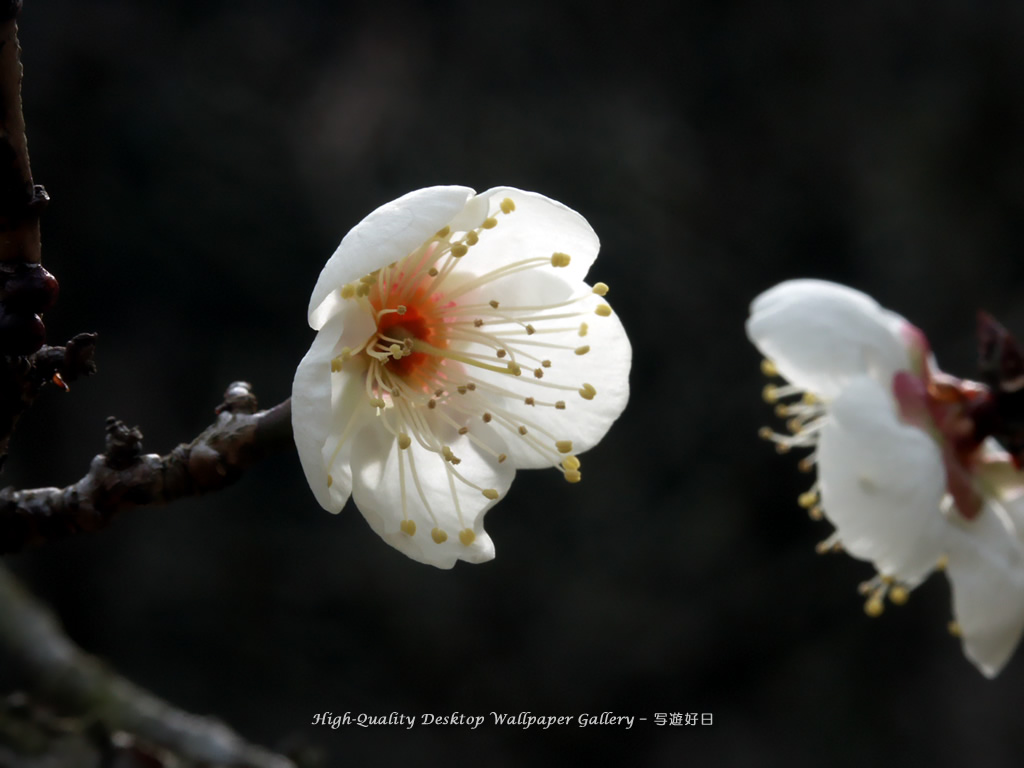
(904, 473)
(457, 342)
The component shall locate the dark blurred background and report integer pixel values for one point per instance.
(204, 159)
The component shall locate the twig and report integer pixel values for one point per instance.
(78, 685)
(123, 477)
(21, 201)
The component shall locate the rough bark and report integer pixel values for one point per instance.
(123, 477)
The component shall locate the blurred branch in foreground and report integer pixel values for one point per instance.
(94, 713)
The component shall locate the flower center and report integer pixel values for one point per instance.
(405, 329)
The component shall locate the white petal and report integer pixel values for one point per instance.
(583, 422)
(882, 483)
(377, 490)
(538, 227)
(314, 389)
(819, 334)
(388, 234)
(986, 571)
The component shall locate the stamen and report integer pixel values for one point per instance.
(601, 289)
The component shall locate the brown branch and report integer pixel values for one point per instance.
(21, 201)
(23, 378)
(122, 477)
(75, 684)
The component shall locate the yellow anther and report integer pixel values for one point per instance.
(782, 448)
(570, 463)
(564, 446)
(545, 363)
(471, 387)
(490, 223)
(507, 206)
(529, 401)
(443, 232)
(560, 259)
(396, 351)
(874, 607)
(446, 452)
(431, 404)
(336, 364)
(583, 329)
(794, 425)
(538, 373)
(478, 323)
(587, 391)
(408, 527)
(348, 291)
(377, 402)
(493, 303)
(472, 238)
(459, 250)
(432, 271)
(490, 493)
(815, 513)
(515, 369)
(573, 475)
(899, 594)
(560, 405)
(363, 289)
(522, 430)
(487, 417)
(809, 399)
(601, 289)
(806, 464)
(768, 368)
(530, 330)
(401, 309)
(466, 536)
(501, 457)
(404, 441)
(603, 310)
(582, 350)
(463, 430)
(770, 393)
(942, 563)
(954, 629)
(439, 536)
(330, 481)
(502, 353)
(808, 499)
(462, 389)
(370, 278)
(781, 410)
(765, 433)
